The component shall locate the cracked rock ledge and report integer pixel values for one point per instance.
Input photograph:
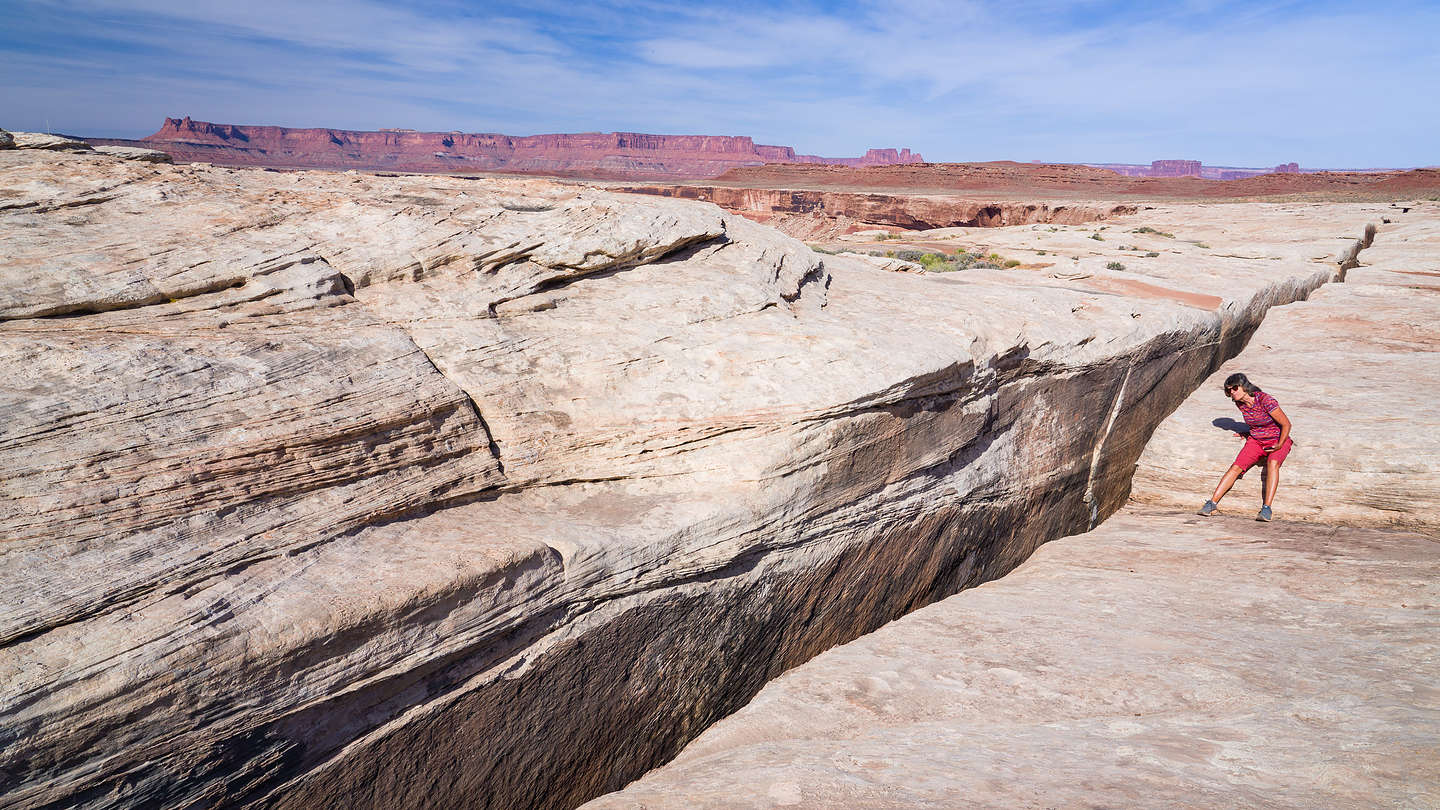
(1166, 659)
(336, 490)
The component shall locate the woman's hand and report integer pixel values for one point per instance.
(1284, 422)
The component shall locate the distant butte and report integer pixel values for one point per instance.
(600, 155)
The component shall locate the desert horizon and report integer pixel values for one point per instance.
(766, 429)
(184, 130)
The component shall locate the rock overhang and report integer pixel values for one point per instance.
(592, 398)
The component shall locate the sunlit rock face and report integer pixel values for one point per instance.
(1166, 659)
(331, 490)
(615, 155)
(1355, 369)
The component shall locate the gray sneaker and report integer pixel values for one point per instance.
(1209, 509)
(1264, 513)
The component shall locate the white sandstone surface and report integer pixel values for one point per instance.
(1162, 660)
(1166, 659)
(1356, 370)
(885, 262)
(134, 153)
(326, 488)
(43, 140)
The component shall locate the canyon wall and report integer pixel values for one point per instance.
(1174, 168)
(613, 155)
(1084, 182)
(813, 213)
(1166, 659)
(334, 490)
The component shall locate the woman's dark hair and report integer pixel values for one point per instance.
(1242, 381)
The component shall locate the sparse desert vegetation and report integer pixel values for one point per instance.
(962, 259)
(1148, 229)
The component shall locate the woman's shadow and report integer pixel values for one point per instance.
(1226, 423)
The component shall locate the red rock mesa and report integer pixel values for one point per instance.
(1174, 168)
(605, 155)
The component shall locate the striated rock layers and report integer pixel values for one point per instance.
(615, 155)
(1085, 182)
(1165, 659)
(1162, 660)
(331, 490)
(1174, 168)
(59, 143)
(782, 207)
(1357, 371)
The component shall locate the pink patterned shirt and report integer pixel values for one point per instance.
(1263, 427)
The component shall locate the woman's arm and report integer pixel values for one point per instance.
(1284, 422)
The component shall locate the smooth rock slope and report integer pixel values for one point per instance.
(1356, 369)
(1162, 660)
(1165, 659)
(392, 491)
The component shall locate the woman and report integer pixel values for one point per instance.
(1268, 439)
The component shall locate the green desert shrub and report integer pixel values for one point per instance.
(933, 261)
(1148, 229)
(1114, 266)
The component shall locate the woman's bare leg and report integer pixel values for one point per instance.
(1226, 481)
(1272, 479)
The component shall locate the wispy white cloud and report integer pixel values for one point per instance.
(1324, 83)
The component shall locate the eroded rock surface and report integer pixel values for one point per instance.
(795, 211)
(619, 155)
(1161, 660)
(135, 153)
(1165, 659)
(399, 491)
(1356, 369)
(42, 140)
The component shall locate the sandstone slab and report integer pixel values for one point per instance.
(1162, 659)
(1159, 661)
(135, 153)
(430, 491)
(42, 140)
(886, 263)
(1356, 369)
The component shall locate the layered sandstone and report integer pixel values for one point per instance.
(60, 143)
(819, 203)
(1356, 369)
(1165, 659)
(326, 489)
(1085, 182)
(809, 213)
(615, 155)
(1174, 168)
(1162, 660)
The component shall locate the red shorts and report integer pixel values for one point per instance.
(1253, 453)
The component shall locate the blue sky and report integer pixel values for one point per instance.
(1336, 84)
